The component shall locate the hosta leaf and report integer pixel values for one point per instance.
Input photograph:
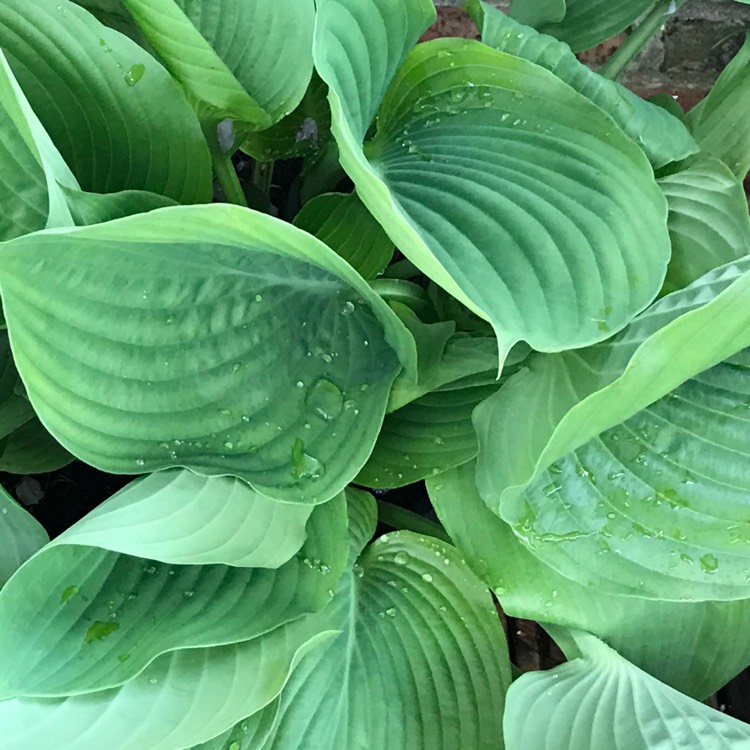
(588, 22)
(420, 660)
(78, 617)
(600, 700)
(344, 224)
(118, 119)
(559, 402)
(96, 208)
(20, 536)
(535, 12)
(30, 449)
(182, 697)
(718, 122)
(15, 409)
(514, 192)
(708, 220)
(302, 133)
(681, 643)
(179, 517)
(663, 137)
(182, 367)
(34, 172)
(425, 437)
(658, 504)
(357, 49)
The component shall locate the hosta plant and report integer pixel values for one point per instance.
(273, 260)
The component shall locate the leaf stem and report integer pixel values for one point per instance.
(400, 518)
(638, 39)
(224, 170)
(262, 175)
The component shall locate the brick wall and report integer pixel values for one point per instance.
(695, 45)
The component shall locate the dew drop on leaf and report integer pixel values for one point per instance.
(709, 563)
(99, 631)
(426, 577)
(401, 558)
(134, 74)
(325, 399)
(68, 593)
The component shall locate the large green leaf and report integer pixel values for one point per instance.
(33, 170)
(20, 536)
(719, 121)
(709, 222)
(588, 22)
(234, 55)
(114, 113)
(601, 701)
(663, 137)
(681, 643)
(80, 616)
(425, 437)
(658, 504)
(179, 517)
(654, 506)
(181, 698)
(419, 662)
(153, 341)
(559, 402)
(515, 193)
(344, 224)
(357, 48)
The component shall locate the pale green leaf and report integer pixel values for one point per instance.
(27, 152)
(681, 643)
(709, 222)
(588, 22)
(719, 122)
(658, 505)
(602, 701)
(569, 398)
(420, 661)
(96, 208)
(116, 116)
(76, 619)
(663, 137)
(346, 226)
(515, 193)
(357, 48)
(181, 698)
(179, 517)
(20, 536)
(155, 343)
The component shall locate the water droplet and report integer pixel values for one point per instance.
(153, 681)
(446, 561)
(134, 74)
(305, 466)
(348, 307)
(426, 577)
(709, 563)
(325, 399)
(259, 298)
(123, 657)
(391, 611)
(401, 558)
(139, 462)
(100, 630)
(359, 571)
(68, 593)
(300, 384)
(551, 488)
